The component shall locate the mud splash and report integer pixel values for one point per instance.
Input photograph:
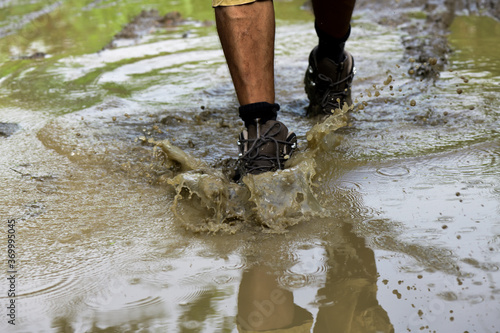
(410, 187)
(206, 200)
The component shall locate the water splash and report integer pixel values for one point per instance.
(206, 200)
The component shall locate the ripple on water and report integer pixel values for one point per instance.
(348, 194)
(310, 268)
(192, 324)
(145, 268)
(393, 171)
(124, 303)
(350, 185)
(195, 287)
(294, 281)
(223, 279)
(234, 262)
(127, 298)
(359, 210)
(63, 283)
(481, 159)
(51, 286)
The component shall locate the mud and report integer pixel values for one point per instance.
(427, 26)
(7, 129)
(117, 167)
(36, 55)
(147, 22)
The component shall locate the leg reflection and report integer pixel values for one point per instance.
(349, 298)
(264, 306)
(347, 301)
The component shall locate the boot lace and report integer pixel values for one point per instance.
(332, 97)
(253, 161)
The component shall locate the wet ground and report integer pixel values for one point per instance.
(387, 220)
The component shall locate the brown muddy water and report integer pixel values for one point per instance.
(387, 220)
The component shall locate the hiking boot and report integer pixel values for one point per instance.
(328, 84)
(264, 147)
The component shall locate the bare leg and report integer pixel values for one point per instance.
(246, 33)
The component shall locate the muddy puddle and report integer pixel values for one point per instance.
(116, 148)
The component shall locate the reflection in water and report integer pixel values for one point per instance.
(476, 39)
(347, 301)
(101, 251)
(263, 305)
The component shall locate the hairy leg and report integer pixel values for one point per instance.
(247, 33)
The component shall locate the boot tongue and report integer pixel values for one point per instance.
(272, 129)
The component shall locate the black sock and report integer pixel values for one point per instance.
(263, 110)
(330, 47)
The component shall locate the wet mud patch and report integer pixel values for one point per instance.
(120, 136)
(143, 24)
(179, 151)
(193, 162)
(397, 116)
(149, 22)
(426, 25)
(119, 256)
